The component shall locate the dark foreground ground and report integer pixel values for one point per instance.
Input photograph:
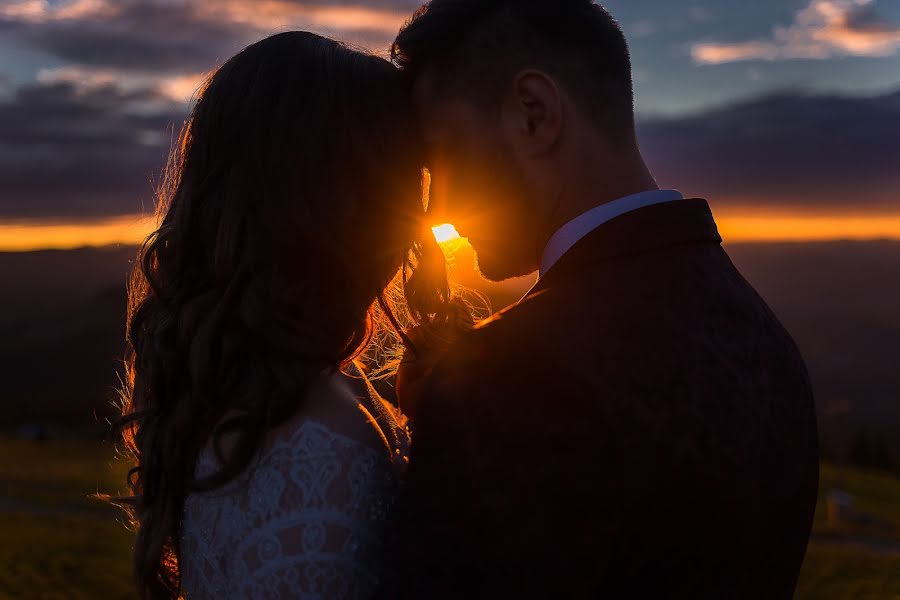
(59, 543)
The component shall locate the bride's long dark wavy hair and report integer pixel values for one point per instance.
(291, 201)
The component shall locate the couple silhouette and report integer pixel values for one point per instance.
(640, 425)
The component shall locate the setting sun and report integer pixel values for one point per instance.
(445, 233)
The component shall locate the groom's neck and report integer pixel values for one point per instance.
(596, 178)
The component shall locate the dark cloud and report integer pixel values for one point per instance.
(71, 149)
(407, 5)
(78, 147)
(789, 148)
(66, 151)
(866, 18)
(152, 36)
(144, 36)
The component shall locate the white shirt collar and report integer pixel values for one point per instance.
(575, 230)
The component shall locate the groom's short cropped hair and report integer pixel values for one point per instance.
(476, 46)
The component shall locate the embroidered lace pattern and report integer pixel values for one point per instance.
(306, 520)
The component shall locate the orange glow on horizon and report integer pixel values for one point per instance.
(735, 225)
(26, 235)
(763, 227)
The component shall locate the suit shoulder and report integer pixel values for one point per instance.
(497, 347)
(515, 311)
(516, 328)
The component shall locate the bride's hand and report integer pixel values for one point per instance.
(413, 373)
(431, 345)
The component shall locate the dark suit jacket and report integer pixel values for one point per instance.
(640, 426)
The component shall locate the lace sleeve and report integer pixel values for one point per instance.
(306, 522)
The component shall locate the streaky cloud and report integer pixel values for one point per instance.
(824, 29)
(187, 36)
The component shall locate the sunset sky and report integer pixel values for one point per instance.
(785, 114)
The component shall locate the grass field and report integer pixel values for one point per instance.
(857, 561)
(57, 543)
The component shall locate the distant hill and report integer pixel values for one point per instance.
(62, 328)
(62, 332)
(841, 302)
(35, 284)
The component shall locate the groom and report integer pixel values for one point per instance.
(640, 425)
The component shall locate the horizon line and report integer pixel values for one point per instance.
(735, 225)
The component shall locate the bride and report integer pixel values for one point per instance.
(264, 463)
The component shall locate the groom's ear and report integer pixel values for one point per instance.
(532, 116)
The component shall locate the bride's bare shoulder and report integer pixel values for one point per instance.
(333, 402)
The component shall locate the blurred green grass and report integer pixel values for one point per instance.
(855, 560)
(838, 573)
(875, 493)
(55, 556)
(58, 543)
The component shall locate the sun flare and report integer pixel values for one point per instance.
(445, 233)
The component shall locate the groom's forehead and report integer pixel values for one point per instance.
(438, 87)
(437, 104)
(450, 121)
(427, 90)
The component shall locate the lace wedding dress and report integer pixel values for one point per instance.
(306, 520)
